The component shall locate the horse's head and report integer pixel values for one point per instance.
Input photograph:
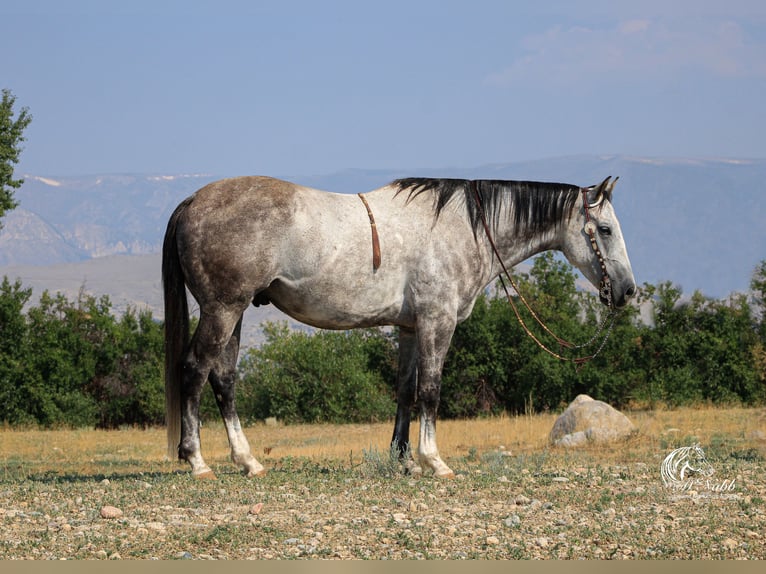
(697, 463)
(594, 244)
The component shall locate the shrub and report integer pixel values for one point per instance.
(320, 377)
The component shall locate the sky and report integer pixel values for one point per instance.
(313, 87)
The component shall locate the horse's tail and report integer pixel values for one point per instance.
(176, 329)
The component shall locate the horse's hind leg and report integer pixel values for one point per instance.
(223, 380)
(208, 343)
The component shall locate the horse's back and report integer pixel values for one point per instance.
(241, 235)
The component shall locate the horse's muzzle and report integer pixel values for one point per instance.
(618, 297)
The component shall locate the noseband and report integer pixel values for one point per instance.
(605, 288)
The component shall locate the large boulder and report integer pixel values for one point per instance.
(586, 420)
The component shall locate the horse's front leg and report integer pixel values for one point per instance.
(223, 381)
(433, 342)
(406, 385)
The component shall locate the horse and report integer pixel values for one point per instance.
(684, 464)
(414, 254)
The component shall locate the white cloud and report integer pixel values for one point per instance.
(636, 48)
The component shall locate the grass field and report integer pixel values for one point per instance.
(332, 492)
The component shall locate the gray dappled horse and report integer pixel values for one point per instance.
(259, 240)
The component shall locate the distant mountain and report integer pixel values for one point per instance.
(78, 218)
(696, 222)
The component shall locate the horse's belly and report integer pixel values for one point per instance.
(327, 306)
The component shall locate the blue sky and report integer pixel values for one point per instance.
(309, 87)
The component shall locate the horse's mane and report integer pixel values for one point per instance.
(534, 206)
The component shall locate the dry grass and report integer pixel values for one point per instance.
(333, 492)
(130, 450)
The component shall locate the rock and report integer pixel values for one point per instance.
(110, 512)
(586, 420)
(256, 508)
(572, 440)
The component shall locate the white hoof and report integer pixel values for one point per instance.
(436, 464)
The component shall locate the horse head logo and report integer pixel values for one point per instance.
(685, 464)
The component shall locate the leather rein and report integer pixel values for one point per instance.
(605, 290)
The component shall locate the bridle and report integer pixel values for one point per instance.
(605, 285)
(605, 288)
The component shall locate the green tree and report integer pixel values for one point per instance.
(11, 137)
(321, 377)
(542, 382)
(68, 347)
(479, 361)
(758, 301)
(758, 298)
(699, 350)
(129, 390)
(15, 377)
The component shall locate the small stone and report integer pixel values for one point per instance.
(106, 482)
(560, 479)
(115, 556)
(110, 512)
(184, 556)
(730, 544)
(492, 540)
(256, 508)
(542, 542)
(521, 500)
(512, 521)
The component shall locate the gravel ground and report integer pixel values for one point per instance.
(498, 507)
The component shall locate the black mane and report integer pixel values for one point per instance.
(535, 206)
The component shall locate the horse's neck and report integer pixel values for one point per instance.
(515, 249)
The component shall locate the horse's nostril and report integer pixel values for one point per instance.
(630, 291)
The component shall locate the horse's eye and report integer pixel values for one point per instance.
(604, 230)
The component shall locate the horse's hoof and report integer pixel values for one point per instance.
(257, 473)
(445, 474)
(206, 475)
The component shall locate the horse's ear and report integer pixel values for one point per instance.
(602, 191)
